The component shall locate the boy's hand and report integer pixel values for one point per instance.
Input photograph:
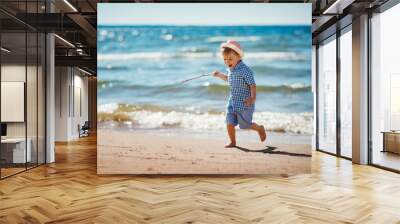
(249, 101)
(216, 74)
(220, 75)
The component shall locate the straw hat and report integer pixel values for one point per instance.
(234, 46)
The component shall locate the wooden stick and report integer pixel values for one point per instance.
(187, 80)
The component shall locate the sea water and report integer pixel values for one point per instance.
(140, 68)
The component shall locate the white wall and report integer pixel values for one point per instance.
(13, 101)
(81, 89)
(14, 73)
(61, 103)
(33, 126)
(71, 87)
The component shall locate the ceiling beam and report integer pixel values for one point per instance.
(86, 27)
(337, 6)
(78, 61)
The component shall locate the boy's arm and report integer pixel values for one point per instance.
(253, 94)
(249, 79)
(220, 75)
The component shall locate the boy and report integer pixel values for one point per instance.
(242, 92)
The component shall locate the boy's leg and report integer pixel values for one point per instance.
(260, 129)
(231, 122)
(245, 122)
(232, 135)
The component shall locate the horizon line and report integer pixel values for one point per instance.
(300, 24)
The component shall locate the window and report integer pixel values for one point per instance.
(22, 87)
(385, 89)
(327, 96)
(346, 93)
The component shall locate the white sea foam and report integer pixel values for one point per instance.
(297, 85)
(107, 108)
(280, 122)
(167, 37)
(162, 55)
(275, 56)
(236, 38)
(153, 55)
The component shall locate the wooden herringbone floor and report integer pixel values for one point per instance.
(69, 191)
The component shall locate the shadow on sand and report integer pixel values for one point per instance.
(270, 150)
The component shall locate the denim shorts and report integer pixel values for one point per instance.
(242, 118)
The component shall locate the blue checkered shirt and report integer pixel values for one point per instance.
(239, 79)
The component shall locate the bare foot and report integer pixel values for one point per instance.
(230, 145)
(262, 133)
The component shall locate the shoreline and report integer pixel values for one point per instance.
(130, 116)
(241, 135)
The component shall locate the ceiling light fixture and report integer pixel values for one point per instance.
(5, 49)
(84, 71)
(70, 5)
(65, 41)
(79, 51)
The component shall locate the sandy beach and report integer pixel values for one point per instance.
(128, 152)
(156, 117)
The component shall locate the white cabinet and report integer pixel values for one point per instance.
(18, 149)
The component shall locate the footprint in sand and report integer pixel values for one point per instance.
(139, 148)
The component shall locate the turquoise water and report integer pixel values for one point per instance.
(141, 66)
